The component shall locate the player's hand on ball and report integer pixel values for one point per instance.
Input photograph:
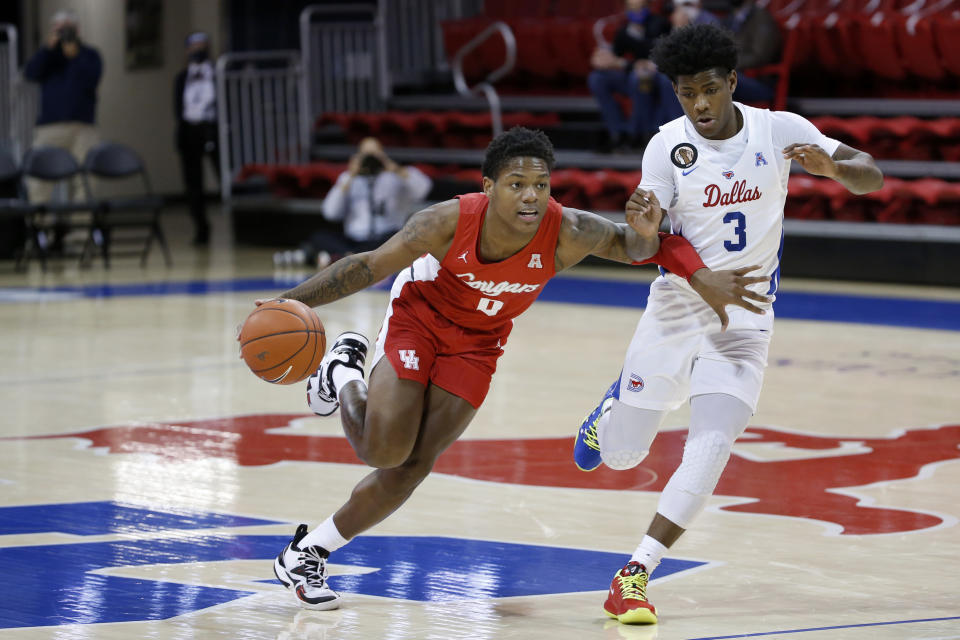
(812, 158)
(720, 288)
(644, 213)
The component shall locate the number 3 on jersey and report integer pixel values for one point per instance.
(740, 230)
(490, 307)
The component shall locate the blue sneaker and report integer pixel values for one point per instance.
(586, 450)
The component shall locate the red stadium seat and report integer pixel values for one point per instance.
(511, 9)
(533, 55)
(781, 69)
(938, 201)
(915, 39)
(879, 51)
(946, 34)
(834, 42)
(574, 188)
(457, 33)
(947, 133)
(570, 44)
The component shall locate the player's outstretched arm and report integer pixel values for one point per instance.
(583, 233)
(854, 169)
(428, 231)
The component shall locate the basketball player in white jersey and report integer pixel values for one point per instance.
(720, 173)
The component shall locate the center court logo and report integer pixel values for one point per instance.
(827, 492)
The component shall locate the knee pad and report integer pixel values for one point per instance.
(705, 456)
(625, 434)
(622, 459)
(704, 459)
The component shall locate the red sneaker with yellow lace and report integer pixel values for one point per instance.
(627, 599)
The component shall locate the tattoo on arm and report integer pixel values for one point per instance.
(343, 277)
(416, 233)
(591, 234)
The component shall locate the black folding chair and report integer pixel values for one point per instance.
(115, 162)
(14, 210)
(48, 222)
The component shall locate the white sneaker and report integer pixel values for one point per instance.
(305, 570)
(349, 350)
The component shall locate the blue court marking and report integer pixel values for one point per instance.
(801, 305)
(71, 588)
(842, 626)
(98, 518)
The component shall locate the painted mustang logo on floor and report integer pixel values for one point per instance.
(818, 488)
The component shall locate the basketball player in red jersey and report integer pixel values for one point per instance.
(466, 267)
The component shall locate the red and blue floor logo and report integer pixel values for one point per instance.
(816, 488)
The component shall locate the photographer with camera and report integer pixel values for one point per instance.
(68, 72)
(372, 198)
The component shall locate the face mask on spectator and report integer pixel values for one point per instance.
(200, 55)
(638, 16)
(691, 9)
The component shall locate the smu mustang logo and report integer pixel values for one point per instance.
(819, 488)
(491, 288)
(738, 193)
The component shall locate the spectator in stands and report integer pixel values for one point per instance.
(758, 39)
(195, 107)
(372, 199)
(625, 69)
(68, 72)
(691, 12)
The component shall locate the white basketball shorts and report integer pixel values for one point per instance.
(678, 351)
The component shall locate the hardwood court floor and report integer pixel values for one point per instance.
(147, 479)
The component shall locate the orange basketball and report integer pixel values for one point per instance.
(282, 341)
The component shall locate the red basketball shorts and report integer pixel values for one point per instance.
(424, 346)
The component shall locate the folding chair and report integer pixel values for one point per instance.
(14, 210)
(48, 222)
(114, 161)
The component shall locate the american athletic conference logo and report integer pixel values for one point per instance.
(635, 383)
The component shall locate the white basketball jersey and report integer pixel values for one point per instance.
(732, 214)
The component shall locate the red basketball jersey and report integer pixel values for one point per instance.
(480, 295)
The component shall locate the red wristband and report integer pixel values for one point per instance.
(676, 255)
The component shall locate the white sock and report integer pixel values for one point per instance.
(342, 375)
(326, 535)
(649, 553)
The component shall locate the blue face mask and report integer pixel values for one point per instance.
(638, 16)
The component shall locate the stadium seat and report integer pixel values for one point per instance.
(946, 34)
(780, 70)
(878, 46)
(139, 210)
(938, 202)
(57, 166)
(533, 55)
(569, 44)
(834, 42)
(914, 35)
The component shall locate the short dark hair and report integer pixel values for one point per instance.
(518, 142)
(695, 48)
